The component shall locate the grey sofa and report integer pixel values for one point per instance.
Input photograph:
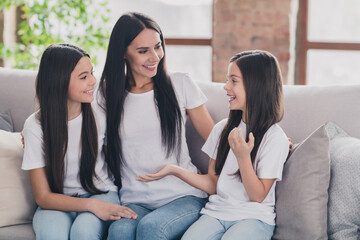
(306, 108)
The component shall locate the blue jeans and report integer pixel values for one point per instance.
(53, 224)
(167, 222)
(210, 228)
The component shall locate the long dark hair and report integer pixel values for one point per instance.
(264, 101)
(52, 83)
(116, 79)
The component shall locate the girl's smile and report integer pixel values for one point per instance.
(234, 88)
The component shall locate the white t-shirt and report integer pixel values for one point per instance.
(231, 202)
(143, 151)
(34, 155)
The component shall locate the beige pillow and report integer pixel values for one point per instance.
(17, 204)
(302, 195)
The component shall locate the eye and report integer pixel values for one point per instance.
(233, 80)
(83, 78)
(158, 46)
(92, 72)
(143, 51)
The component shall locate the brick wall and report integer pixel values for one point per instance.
(240, 25)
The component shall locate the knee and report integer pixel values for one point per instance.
(45, 234)
(84, 233)
(149, 228)
(122, 229)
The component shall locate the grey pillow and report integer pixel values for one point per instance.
(344, 190)
(6, 122)
(302, 195)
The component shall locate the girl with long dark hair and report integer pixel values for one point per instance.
(145, 109)
(247, 152)
(68, 173)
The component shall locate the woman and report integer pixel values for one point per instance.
(145, 112)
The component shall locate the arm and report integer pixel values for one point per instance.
(257, 189)
(206, 182)
(49, 200)
(201, 120)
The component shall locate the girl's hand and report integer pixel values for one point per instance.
(239, 146)
(110, 211)
(163, 172)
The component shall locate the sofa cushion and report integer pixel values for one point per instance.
(17, 232)
(17, 203)
(302, 195)
(344, 190)
(6, 122)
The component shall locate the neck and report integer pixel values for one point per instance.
(74, 110)
(142, 85)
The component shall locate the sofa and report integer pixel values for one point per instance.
(305, 197)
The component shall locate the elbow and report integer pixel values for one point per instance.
(258, 199)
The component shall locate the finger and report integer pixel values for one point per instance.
(232, 135)
(251, 140)
(113, 217)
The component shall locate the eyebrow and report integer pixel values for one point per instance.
(233, 75)
(85, 72)
(145, 48)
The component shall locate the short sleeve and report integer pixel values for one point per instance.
(33, 152)
(188, 91)
(211, 145)
(272, 154)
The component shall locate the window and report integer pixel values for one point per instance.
(187, 29)
(329, 42)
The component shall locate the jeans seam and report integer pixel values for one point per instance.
(174, 220)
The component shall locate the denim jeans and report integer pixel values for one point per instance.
(53, 224)
(210, 228)
(167, 222)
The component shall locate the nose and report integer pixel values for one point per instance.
(93, 80)
(226, 86)
(154, 56)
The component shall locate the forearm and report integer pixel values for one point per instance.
(61, 202)
(206, 182)
(253, 186)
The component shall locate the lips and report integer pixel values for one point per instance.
(150, 67)
(89, 91)
(231, 97)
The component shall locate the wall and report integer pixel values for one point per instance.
(240, 25)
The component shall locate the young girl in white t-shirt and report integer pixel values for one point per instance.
(68, 173)
(247, 152)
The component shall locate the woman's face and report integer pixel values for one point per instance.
(144, 54)
(235, 89)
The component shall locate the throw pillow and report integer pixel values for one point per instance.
(344, 190)
(302, 195)
(17, 204)
(6, 122)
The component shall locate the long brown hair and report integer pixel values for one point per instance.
(264, 101)
(52, 83)
(115, 81)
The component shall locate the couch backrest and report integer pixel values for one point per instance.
(17, 93)
(306, 107)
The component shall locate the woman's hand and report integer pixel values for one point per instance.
(239, 146)
(163, 172)
(110, 211)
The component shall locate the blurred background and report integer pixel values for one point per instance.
(317, 42)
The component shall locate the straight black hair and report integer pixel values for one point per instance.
(264, 101)
(116, 80)
(52, 83)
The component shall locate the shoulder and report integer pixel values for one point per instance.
(276, 134)
(219, 127)
(32, 122)
(179, 79)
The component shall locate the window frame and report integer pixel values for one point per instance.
(305, 45)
